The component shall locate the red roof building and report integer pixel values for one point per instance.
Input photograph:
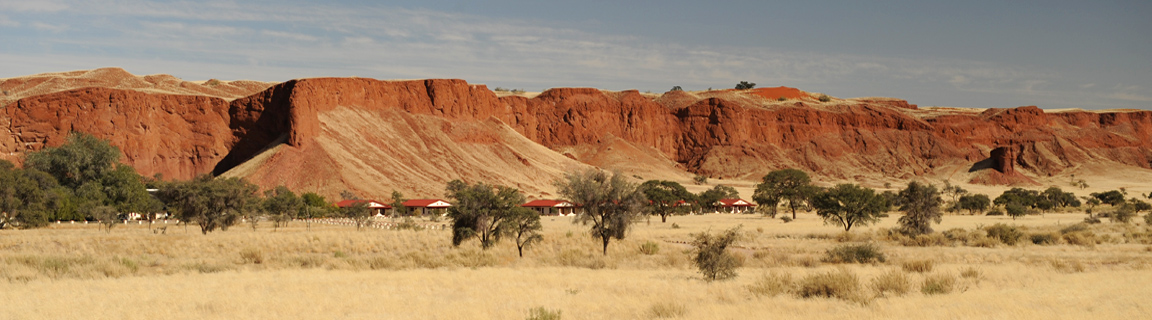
(381, 209)
(735, 205)
(552, 207)
(426, 206)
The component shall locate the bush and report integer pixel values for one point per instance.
(1081, 238)
(772, 284)
(858, 253)
(662, 310)
(252, 255)
(1008, 235)
(995, 212)
(938, 284)
(1074, 228)
(891, 282)
(825, 98)
(745, 85)
(781, 99)
(712, 257)
(539, 313)
(920, 266)
(841, 284)
(1045, 238)
(786, 219)
(1148, 219)
(970, 273)
(649, 248)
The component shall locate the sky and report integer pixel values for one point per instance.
(980, 54)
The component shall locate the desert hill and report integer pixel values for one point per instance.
(371, 136)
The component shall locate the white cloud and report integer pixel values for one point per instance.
(288, 35)
(6, 22)
(31, 6)
(50, 27)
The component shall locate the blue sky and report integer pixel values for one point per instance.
(1053, 54)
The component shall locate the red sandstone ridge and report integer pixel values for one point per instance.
(372, 136)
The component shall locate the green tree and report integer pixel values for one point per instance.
(83, 158)
(665, 197)
(483, 211)
(974, 203)
(712, 257)
(1015, 210)
(921, 206)
(790, 185)
(611, 204)
(282, 205)
(23, 200)
(315, 206)
(108, 216)
(526, 228)
(848, 205)
(210, 203)
(1112, 198)
(398, 203)
(359, 213)
(745, 85)
(707, 199)
(1059, 198)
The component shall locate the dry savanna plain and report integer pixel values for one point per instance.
(326, 271)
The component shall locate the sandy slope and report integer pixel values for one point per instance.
(373, 153)
(16, 88)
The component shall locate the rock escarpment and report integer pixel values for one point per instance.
(721, 134)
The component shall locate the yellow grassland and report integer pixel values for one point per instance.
(76, 271)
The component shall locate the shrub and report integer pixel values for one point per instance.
(891, 282)
(772, 284)
(1148, 219)
(1069, 266)
(920, 266)
(649, 248)
(1081, 238)
(970, 273)
(825, 98)
(1045, 238)
(858, 253)
(712, 257)
(662, 310)
(252, 255)
(995, 212)
(1074, 228)
(700, 179)
(1008, 235)
(841, 284)
(925, 240)
(676, 88)
(675, 226)
(745, 85)
(781, 99)
(938, 284)
(786, 219)
(540, 313)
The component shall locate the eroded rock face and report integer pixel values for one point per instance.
(180, 136)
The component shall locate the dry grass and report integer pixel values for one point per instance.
(68, 271)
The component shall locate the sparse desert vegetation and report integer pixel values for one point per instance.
(67, 270)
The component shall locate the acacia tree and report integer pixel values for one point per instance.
(786, 184)
(611, 203)
(707, 199)
(359, 213)
(210, 203)
(526, 227)
(921, 206)
(665, 197)
(974, 203)
(90, 168)
(314, 206)
(488, 212)
(282, 204)
(711, 256)
(848, 205)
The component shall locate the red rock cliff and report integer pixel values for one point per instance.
(184, 135)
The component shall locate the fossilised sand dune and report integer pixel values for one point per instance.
(373, 136)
